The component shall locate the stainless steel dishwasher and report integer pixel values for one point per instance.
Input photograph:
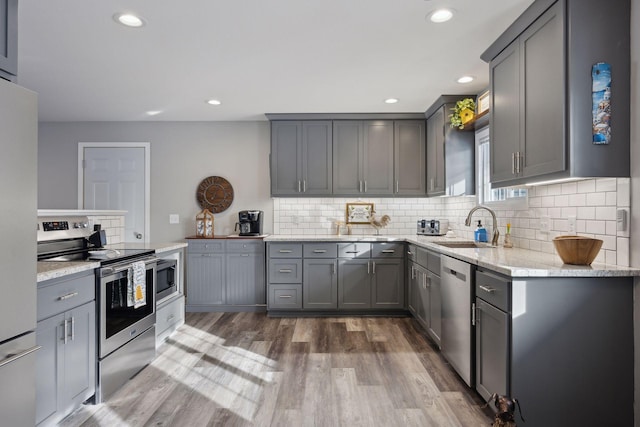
(457, 297)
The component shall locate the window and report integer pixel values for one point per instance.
(515, 198)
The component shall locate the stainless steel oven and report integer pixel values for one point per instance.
(166, 283)
(126, 332)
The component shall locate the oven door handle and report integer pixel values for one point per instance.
(108, 271)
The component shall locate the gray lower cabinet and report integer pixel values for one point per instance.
(355, 283)
(66, 363)
(320, 284)
(301, 158)
(225, 275)
(8, 39)
(425, 293)
(492, 350)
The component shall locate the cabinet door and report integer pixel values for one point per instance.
(348, 140)
(354, 284)
(492, 350)
(411, 287)
(8, 38)
(245, 283)
(49, 367)
(410, 158)
(434, 313)
(80, 356)
(542, 103)
(286, 158)
(504, 72)
(387, 283)
(320, 284)
(421, 296)
(378, 157)
(205, 279)
(317, 157)
(435, 153)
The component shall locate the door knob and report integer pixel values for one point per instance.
(138, 235)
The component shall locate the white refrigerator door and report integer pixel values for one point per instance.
(18, 216)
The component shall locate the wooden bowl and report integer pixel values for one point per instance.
(577, 250)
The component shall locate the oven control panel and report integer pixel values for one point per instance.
(55, 225)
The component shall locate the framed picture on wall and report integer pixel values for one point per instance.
(359, 213)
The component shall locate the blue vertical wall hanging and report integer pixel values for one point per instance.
(601, 102)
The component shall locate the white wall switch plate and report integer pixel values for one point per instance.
(571, 224)
(545, 223)
(174, 219)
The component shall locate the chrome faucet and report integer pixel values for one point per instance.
(496, 233)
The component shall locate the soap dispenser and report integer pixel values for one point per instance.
(480, 234)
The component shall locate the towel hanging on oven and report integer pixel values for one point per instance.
(136, 286)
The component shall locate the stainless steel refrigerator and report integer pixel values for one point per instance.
(18, 221)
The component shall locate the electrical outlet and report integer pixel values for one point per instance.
(622, 222)
(174, 219)
(571, 224)
(545, 223)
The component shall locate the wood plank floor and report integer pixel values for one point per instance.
(246, 369)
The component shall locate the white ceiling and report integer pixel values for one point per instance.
(256, 56)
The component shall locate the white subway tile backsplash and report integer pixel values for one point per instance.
(592, 201)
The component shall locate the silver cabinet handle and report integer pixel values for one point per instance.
(73, 328)
(374, 267)
(64, 331)
(473, 314)
(319, 251)
(519, 161)
(360, 186)
(170, 318)
(285, 251)
(397, 186)
(365, 186)
(304, 185)
(13, 357)
(298, 186)
(409, 253)
(206, 255)
(368, 272)
(428, 281)
(388, 251)
(244, 255)
(513, 163)
(285, 270)
(333, 268)
(412, 272)
(67, 296)
(285, 296)
(488, 289)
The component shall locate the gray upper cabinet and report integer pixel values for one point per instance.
(541, 92)
(450, 152)
(8, 39)
(363, 157)
(435, 153)
(301, 158)
(410, 158)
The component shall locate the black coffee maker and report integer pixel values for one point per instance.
(250, 223)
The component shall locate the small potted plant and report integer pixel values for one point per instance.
(462, 112)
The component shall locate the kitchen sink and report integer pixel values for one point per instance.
(463, 245)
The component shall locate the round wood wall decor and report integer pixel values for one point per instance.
(215, 193)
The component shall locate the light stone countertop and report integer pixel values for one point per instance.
(512, 262)
(53, 269)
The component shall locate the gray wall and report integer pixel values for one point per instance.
(635, 187)
(182, 154)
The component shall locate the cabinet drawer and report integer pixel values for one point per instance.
(285, 271)
(285, 250)
(169, 314)
(245, 247)
(285, 297)
(320, 250)
(354, 250)
(387, 250)
(59, 295)
(208, 246)
(494, 289)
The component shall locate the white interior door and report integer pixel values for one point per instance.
(116, 178)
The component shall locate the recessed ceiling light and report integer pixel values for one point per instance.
(153, 112)
(441, 15)
(391, 100)
(128, 19)
(465, 79)
(214, 102)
